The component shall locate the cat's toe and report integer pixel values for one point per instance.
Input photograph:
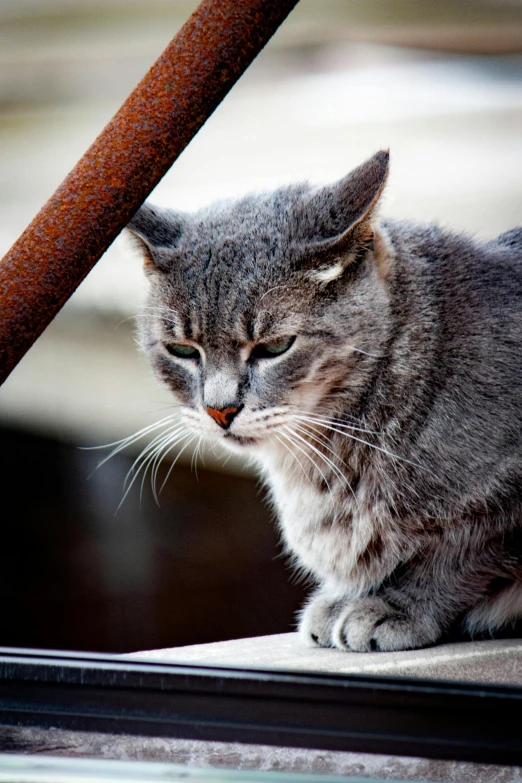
(317, 621)
(372, 625)
(355, 626)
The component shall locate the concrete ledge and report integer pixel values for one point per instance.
(486, 661)
(496, 661)
(221, 755)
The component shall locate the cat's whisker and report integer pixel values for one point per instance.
(177, 458)
(202, 452)
(149, 453)
(370, 445)
(194, 460)
(153, 462)
(318, 419)
(162, 312)
(124, 446)
(337, 472)
(155, 443)
(156, 408)
(297, 446)
(129, 318)
(162, 451)
(225, 460)
(270, 290)
(325, 445)
(294, 456)
(159, 461)
(367, 353)
(129, 440)
(146, 457)
(129, 482)
(271, 413)
(162, 309)
(153, 454)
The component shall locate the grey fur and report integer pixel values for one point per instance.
(390, 432)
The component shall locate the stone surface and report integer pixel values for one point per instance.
(195, 753)
(496, 661)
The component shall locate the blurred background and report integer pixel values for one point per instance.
(437, 82)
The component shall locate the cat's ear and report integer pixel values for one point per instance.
(344, 214)
(156, 232)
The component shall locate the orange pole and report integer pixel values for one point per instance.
(127, 160)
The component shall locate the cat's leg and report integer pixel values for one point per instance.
(476, 588)
(496, 611)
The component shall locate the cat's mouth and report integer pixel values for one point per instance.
(240, 440)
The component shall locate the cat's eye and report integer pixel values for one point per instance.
(182, 351)
(272, 348)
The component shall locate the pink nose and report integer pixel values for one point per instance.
(223, 417)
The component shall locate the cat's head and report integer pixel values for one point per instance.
(268, 307)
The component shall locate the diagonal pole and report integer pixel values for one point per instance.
(127, 160)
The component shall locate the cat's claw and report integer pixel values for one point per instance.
(364, 625)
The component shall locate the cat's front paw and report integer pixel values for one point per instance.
(364, 625)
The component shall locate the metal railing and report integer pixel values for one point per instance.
(127, 160)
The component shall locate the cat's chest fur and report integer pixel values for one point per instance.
(327, 530)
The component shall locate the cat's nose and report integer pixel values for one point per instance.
(223, 416)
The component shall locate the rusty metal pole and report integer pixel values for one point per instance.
(127, 160)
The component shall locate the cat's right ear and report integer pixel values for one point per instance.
(155, 233)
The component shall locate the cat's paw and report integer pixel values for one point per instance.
(364, 625)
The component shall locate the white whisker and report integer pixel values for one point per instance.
(155, 459)
(162, 451)
(176, 459)
(151, 449)
(129, 440)
(297, 446)
(325, 445)
(194, 460)
(318, 419)
(294, 457)
(225, 460)
(325, 459)
(152, 454)
(161, 312)
(367, 353)
(270, 290)
(370, 445)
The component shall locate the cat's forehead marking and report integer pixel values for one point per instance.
(177, 324)
(272, 323)
(170, 321)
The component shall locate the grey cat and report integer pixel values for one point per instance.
(373, 367)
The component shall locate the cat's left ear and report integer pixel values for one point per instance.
(344, 215)
(156, 233)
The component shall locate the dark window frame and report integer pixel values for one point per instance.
(369, 714)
